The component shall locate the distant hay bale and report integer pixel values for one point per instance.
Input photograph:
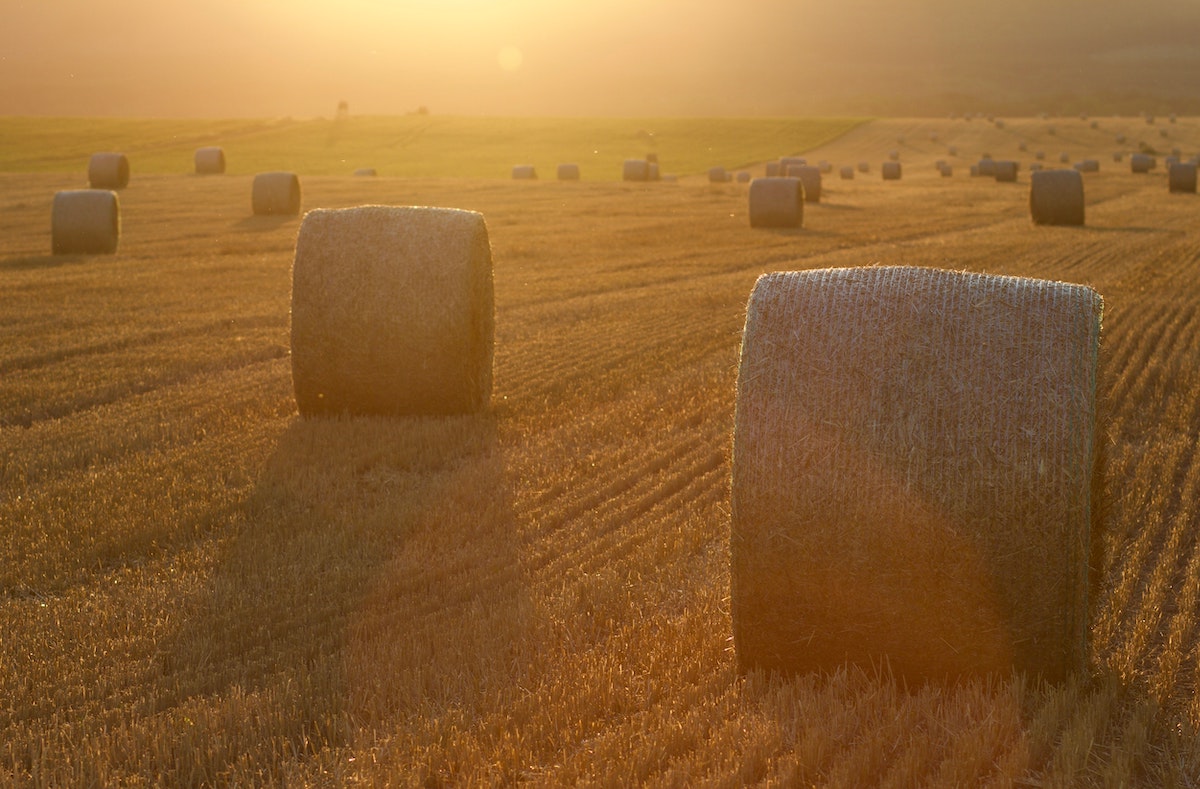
(1120, 138)
(810, 177)
(864, 167)
(275, 194)
(847, 173)
(912, 473)
(652, 172)
(524, 172)
(743, 177)
(933, 136)
(1056, 197)
(1095, 124)
(825, 167)
(1171, 118)
(1064, 158)
(1149, 120)
(1088, 166)
(939, 164)
(987, 167)
(652, 158)
(209, 161)
(1005, 171)
(1039, 155)
(1051, 131)
(635, 170)
(947, 171)
(108, 171)
(776, 202)
(718, 175)
(974, 171)
(1022, 146)
(1163, 133)
(999, 124)
(1118, 156)
(1035, 166)
(952, 150)
(1141, 163)
(392, 312)
(85, 222)
(791, 161)
(891, 171)
(773, 169)
(894, 156)
(366, 172)
(1181, 178)
(568, 171)
(1177, 153)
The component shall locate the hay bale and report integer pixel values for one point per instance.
(210, 161)
(743, 177)
(1064, 158)
(891, 171)
(275, 194)
(776, 202)
(1181, 178)
(974, 171)
(1118, 156)
(1056, 197)
(366, 172)
(718, 175)
(952, 150)
(1039, 155)
(1035, 167)
(108, 171)
(1095, 124)
(84, 222)
(847, 173)
(894, 156)
(811, 178)
(1141, 163)
(568, 171)
(392, 311)
(1120, 138)
(1163, 133)
(987, 167)
(825, 167)
(864, 167)
(652, 173)
(912, 469)
(524, 172)
(947, 171)
(1088, 166)
(1051, 131)
(773, 169)
(1022, 146)
(635, 170)
(1005, 171)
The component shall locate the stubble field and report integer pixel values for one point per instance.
(197, 586)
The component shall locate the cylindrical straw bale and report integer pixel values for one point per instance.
(1095, 124)
(891, 171)
(652, 158)
(913, 461)
(1120, 138)
(947, 170)
(773, 169)
(776, 202)
(108, 171)
(1088, 166)
(1051, 131)
(1039, 155)
(275, 194)
(987, 168)
(210, 161)
(811, 178)
(743, 177)
(1022, 146)
(1118, 156)
(392, 311)
(635, 170)
(1181, 177)
(85, 221)
(366, 172)
(1141, 162)
(568, 171)
(847, 173)
(864, 167)
(652, 173)
(524, 172)
(1056, 197)
(825, 167)
(894, 156)
(1005, 171)
(1064, 158)
(1035, 167)
(952, 150)
(718, 175)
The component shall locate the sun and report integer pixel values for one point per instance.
(510, 58)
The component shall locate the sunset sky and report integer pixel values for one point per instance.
(582, 57)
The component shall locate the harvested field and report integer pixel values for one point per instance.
(197, 586)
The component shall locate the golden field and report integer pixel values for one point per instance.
(198, 587)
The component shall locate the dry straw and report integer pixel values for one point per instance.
(811, 178)
(847, 173)
(718, 175)
(210, 161)
(275, 194)
(864, 167)
(912, 473)
(108, 171)
(1141, 163)
(891, 171)
(1088, 166)
(1056, 197)
(1005, 171)
(392, 311)
(635, 170)
(568, 172)
(776, 202)
(987, 167)
(366, 172)
(524, 172)
(85, 221)
(1181, 178)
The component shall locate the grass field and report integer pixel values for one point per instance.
(198, 587)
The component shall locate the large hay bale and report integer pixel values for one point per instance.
(952, 150)
(847, 173)
(1005, 171)
(108, 171)
(891, 171)
(1141, 162)
(85, 221)
(912, 473)
(776, 202)
(1064, 158)
(652, 172)
(635, 170)
(1039, 155)
(392, 311)
(524, 172)
(210, 161)
(811, 178)
(568, 171)
(825, 166)
(1181, 178)
(275, 194)
(1118, 156)
(1056, 197)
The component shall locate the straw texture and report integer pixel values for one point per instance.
(635, 170)
(1181, 178)
(108, 171)
(568, 172)
(85, 221)
(811, 178)
(366, 172)
(912, 472)
(392, 311)
(776, 202)
(1056, 197)
(210, 161)
(1141, 163)
(891, 171)
(275, 194)
(524, 172)
(1005, 171)
(718, 175)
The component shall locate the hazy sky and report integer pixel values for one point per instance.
(578, 57)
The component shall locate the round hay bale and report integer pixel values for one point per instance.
(811, 178)
(791, 161)
(773, 169)
(524, 172)
(1064, 158)
(275, 194)
(108, 171)
(1181, 178)
(392, 311)
(1163, 133)
(847, 173)
(974, 171)
(825, 167)
(210, 161)
(652, 158)
(987, 167)
(568, 171)
(952, 150)
(1141, 162)
(1039, 155)
(1035, 167)
(776, 202)
(1120, 138)
(1095, 124)
(1171, 118)
(1022, 146)
(85, 222)
(1056, 197)
(1088, 166)
(652, 173)
(1118, 156)
(894, 156)
(635, 170)
(1005, 171)
(947, 171)
(366, 172)
(718, 175)
(864, 167)
(1051, 131)
(743, 177)
(891, 171)
(912, 471)
(939, 164)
